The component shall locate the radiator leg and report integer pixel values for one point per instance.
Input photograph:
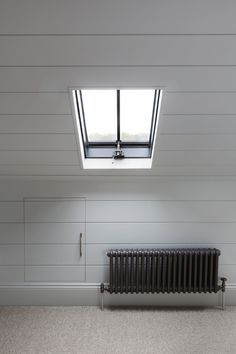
(102, 301)
(223, 293)
(222, 300)
(102, 289)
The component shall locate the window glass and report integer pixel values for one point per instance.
(100, 114)
(136, 115)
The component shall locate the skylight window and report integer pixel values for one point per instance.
(116, 125)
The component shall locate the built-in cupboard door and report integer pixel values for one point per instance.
(55, 240)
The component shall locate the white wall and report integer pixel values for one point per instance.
(122, 212)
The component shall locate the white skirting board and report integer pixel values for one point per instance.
(89, 295)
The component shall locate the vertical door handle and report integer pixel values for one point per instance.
(80, 244)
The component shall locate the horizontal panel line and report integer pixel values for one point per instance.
(35, 115)
(161, 243)
(106, 265)
(76, 175)
(12, 244)
(83, 176)
(192, 175)
(12, 265)
(53, 222)
(26, 92)
(160, 200)
(41, 164)
(53, 150)
(32, 114)
(62, 265)
(198, 150)
(131, 222)
(166, 92)
(70, 134)
(208, 165)
(38, 164)
(146, 223)
(116, 243)
(34, 133)
(65, 199)
(37, 150)
(43, 243)
(51, 244)
(198, 114)
(169, 222)
(11, 201)
(198, 134)
(27, 223)
(203, 91)
(161, 222)
(128, 222)
(66, 223)
(123, 66)
(205, 114)
(11, 222)
(173, 150)
(47, 284)
(127, 34)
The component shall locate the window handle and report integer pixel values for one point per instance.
(80, 244)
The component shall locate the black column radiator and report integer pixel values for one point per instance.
(169, 270)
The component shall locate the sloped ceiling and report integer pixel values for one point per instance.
(188, 47)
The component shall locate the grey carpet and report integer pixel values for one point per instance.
(87, 330)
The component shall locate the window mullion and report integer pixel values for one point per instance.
(118, 115)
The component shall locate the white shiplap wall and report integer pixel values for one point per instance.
(187, 47)
(160, 212)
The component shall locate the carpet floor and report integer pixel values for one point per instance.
(87, 330)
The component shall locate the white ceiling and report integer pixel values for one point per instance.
(188, 47)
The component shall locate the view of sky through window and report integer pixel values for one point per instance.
(100, 114)
(136, 114)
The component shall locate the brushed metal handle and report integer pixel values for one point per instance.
(80, 244)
